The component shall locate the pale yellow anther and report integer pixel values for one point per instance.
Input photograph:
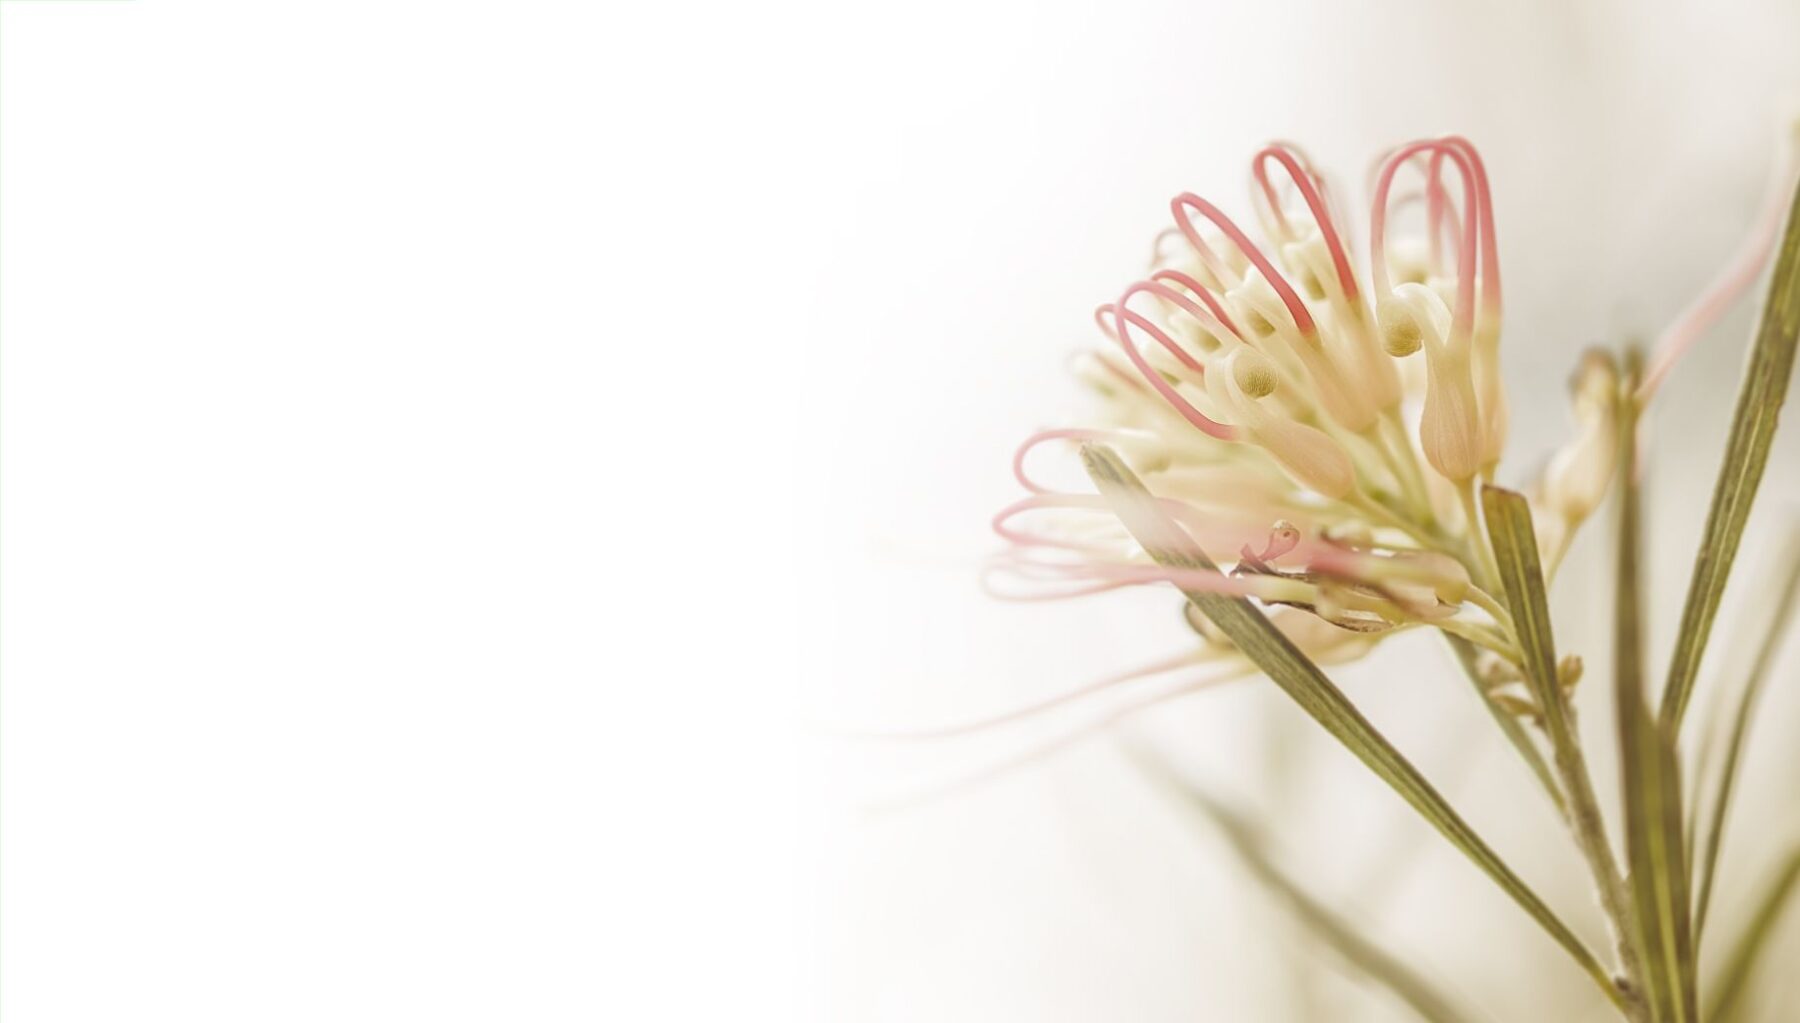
(1400, 333)
(1254, 373)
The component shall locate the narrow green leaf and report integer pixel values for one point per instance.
(1777, 611)
(1332, 929)
(1764, 389)
(1727, 997)
(1651, 778)
(1514, 541)
(1270, 650)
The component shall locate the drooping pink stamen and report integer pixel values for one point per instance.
(1179, 206)
(1201, 292)
(1489, 238)
(1707, 307)
(1436, 199)
(1124, 316)
(1271, 194)
(1112, 369)
(1123, 319)
(1450, 225)
(1002, 521)
(1157, 243)
(1101, 312)
(1271, 199)
(1315, 203)
(1118, 574)
(1312, 170)
(1078, 560)
(1201, 527)
(1490, 242)
(1211, 317)
(1181, 355)
(1043, 436)
(1046, 596)
(1463, 321)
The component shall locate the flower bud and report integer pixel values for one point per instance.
(1576, 479)
(1450, 430)
(1568, 671)
(1449, 427)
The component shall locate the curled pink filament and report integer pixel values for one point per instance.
(1043, 436)
(1463, 322)
(1315, 204)
(1124, 319)
(1180, 205)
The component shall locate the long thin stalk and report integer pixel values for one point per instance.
(1650, 770)
(1516, 553)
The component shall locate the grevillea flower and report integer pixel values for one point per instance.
(1319, 425)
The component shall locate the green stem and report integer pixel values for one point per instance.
(1480, 551)
(1589, 829)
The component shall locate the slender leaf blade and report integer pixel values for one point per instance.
(1514, 541)
(1297, 676)
(1765, 388)
(1654, 836)
(1727, 998)
(1332, 929)
(1778, 611)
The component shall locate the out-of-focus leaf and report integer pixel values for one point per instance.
(1650, 773)
(1265, 645)
(1514, 540)
(1764, 389)
(1777, 611)
(1332, 929)
(1727, 999)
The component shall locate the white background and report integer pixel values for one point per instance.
(455, 454)
(395, 519)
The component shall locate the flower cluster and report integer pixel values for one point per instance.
(1317, 429)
